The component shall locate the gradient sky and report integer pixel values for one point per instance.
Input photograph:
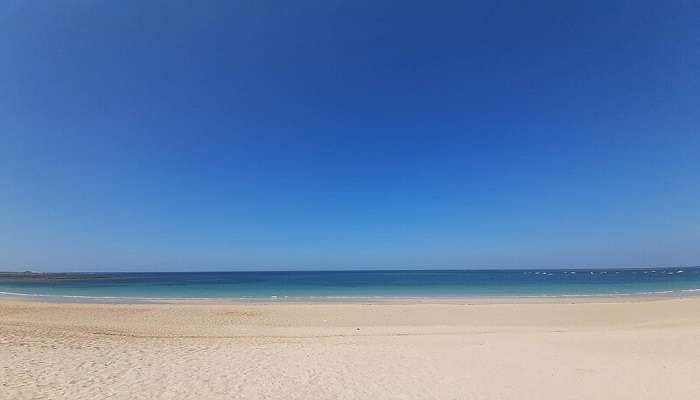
(155, 135)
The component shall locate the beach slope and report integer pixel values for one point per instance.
(556, 349)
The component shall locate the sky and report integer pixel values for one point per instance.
(328, 134)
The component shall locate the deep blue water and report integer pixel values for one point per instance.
(359, 284)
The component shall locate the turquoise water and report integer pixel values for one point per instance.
(330, 285)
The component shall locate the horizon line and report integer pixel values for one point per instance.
(361, 269)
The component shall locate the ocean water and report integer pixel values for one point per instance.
(330, 285)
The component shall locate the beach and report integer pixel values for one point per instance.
(562, 348)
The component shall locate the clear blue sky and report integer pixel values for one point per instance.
(152, 135)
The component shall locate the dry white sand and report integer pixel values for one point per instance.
(637, 349)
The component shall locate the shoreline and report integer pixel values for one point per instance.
(505, 299)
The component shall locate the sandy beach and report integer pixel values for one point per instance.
(554, 349)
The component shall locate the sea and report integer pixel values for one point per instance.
(353, 285)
